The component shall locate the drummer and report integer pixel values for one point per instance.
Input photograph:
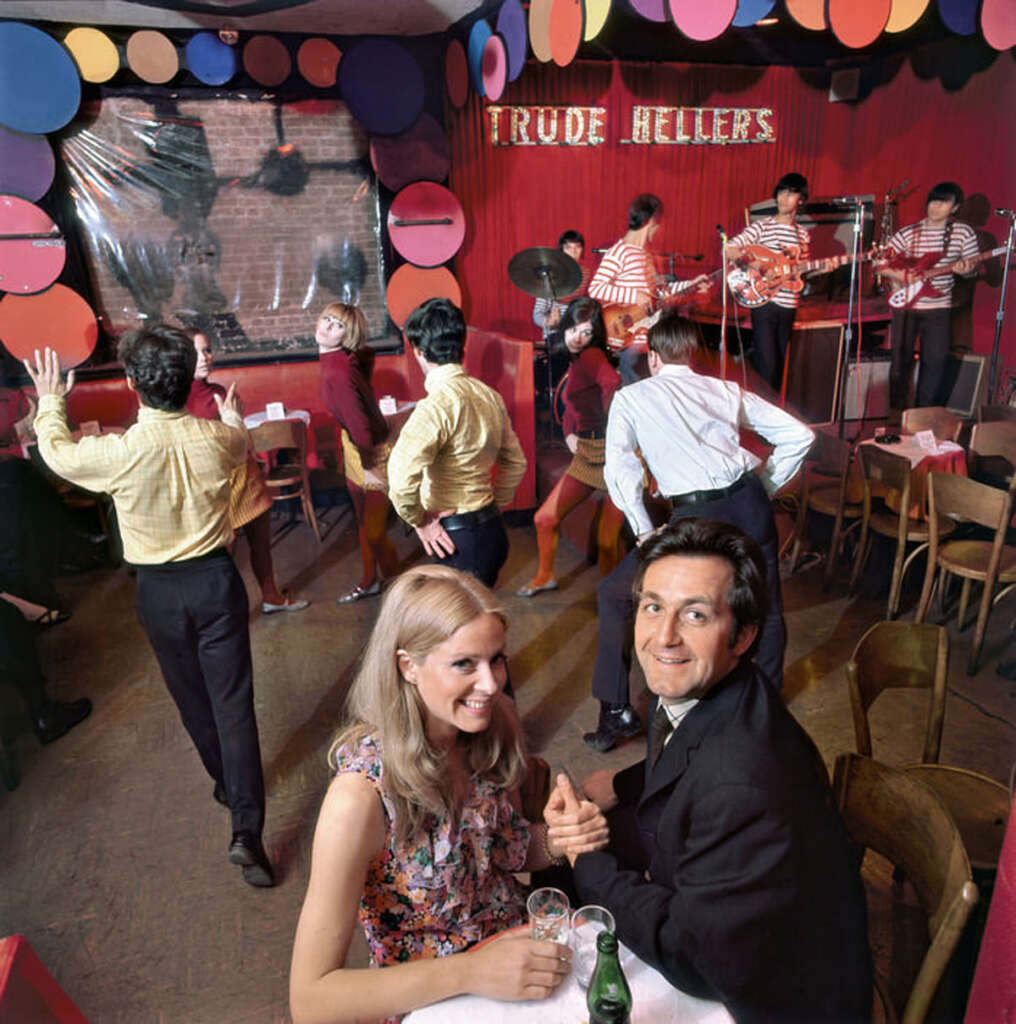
(547, 312)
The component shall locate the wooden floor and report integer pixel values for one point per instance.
(113, 852)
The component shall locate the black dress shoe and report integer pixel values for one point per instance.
(617, 722)
(9, 766)
(57, 717)
(219, 794)
(246, 851)
(1006, 669)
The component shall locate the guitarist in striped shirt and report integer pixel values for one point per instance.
(927, 317)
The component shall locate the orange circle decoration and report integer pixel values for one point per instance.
(858, 24)
(998, 23)
(905, 14)
(700, 21)
(494, 68)
(267, 61)
(410, 286)
(809, 13)
(318, 61)
(32, 250)
(566, 18)
(94, 53)
(152, 57)
(57, 317)
(539, 29)
(456, 70)
(596, 18)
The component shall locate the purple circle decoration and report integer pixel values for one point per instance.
(419, 154)
(26, 164)
(959, 16)
(382, 85)
(478, 36)
(653, 10)
(750, 11)
(40, 89)
(511, 27)
(209, 59)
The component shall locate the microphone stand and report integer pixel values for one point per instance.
(723, 314)
(848, 336)
(1000, 314)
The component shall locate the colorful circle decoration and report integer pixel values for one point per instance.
(426, 224)
(409, 286)
(209, 59)
(511, 27)
(57, 317)
(700, 21)
(456, 71)
(152, 57)
(494, 68)
(267, 61)
(750, 11)
(318, 61)
(26, 164)
(419, 154)
(565, 31)
(40, 89)
(808, 13)
(959, 16)
(32, 250)
(596, 18)
(478, 36)
(858, 24)
(904, 14)
(998, 23)
(94, 52)
(539, 29)
(382, 85)
(654, 10)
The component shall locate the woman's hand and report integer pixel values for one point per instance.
(574, 826)
(514, 967)
(572, 440)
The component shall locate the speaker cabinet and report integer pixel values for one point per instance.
(812, 370)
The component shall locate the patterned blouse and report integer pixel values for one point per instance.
(449, 886)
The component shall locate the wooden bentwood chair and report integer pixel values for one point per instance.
(903, 820)
(291, 435)
(992, 456)
(940, 421)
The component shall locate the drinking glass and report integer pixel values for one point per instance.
(587, 923)
(549, 915)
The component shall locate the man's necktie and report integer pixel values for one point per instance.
(658, 733)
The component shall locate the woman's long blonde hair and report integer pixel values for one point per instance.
(421, 610)
(356, 323)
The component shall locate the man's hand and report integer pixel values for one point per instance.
(553, 318)
(574, 826)
(701, 283)
(46, 374)
(230, 403)
(434, 537)
(373, 478)
(963, 266)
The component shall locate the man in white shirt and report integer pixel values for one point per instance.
(687, 427)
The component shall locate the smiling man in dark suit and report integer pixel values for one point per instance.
(728, 868)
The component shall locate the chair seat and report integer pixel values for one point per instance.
(888, 524)
(826, 501)
(971, 557)
(283, 477)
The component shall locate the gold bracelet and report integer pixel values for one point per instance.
(560, 858)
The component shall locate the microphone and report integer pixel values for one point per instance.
(1004, 213)
(848, 200)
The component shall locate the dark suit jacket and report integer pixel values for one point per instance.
(729, 869)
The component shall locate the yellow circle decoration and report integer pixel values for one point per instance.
(94, 53)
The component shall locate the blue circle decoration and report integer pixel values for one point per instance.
(209, 59)
(382, 85)
(750, 11)
(513, 28)
(40, 89)
(478, 36)
(959, 16)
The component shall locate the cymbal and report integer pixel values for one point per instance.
(544, 272)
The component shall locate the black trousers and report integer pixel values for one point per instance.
(749, 510)
(19, 659)
(932, 327)
(480, 550)
(771, 326)
(195, 615)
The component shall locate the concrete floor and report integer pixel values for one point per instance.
(114, 853)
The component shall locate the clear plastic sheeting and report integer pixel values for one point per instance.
(241, 217)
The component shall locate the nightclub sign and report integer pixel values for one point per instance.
(647, 126)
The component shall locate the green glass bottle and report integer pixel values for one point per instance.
(609, 997)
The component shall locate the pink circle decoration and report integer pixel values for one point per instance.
(700, 21)
(318, 61)
(418, 154)
(998, 23)
(858, 24)
(905, 14)
(565, 30)
(426, 224)
(494, 68)
(32, 250)
(456, 70)
(654, 10)
(808, 13)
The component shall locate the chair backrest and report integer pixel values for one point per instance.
(907, 823)
(997, 437)
(958, 497)
(936, 418)
(995, 413)
(886, 468)
(275, 434)
(829, 454)
(900, 655)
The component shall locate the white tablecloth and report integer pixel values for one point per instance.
(255, 419)
(654, 999)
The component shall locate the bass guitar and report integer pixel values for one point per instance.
(922, 269)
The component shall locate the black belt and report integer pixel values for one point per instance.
(464, 520)
(701, 497)
(590, 435)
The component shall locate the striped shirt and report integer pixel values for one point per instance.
(625, 273)
(773, 234)
(916, 240)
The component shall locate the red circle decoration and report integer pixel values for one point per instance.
(858, 24)
(267, 61)
(410, 286)
(415, 224)
(494, 68)
(456, 70)
(998, 23)
(565, 30)
(32, 250)
(700, 21)
(318, 61)
(808, 13)
(57, 317)
(419, 154)
(539, 28)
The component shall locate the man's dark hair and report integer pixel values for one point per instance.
(946, 190)
(748, 596)
(160, 360)
(792, 182)
(438, 330)
(580, 311)
(642, 210)
(674, 338)
(570, 237)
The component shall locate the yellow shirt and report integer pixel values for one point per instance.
(447, 450)
(168, 476)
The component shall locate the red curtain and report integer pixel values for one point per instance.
(909, 127)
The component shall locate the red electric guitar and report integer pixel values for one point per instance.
(921, 269)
